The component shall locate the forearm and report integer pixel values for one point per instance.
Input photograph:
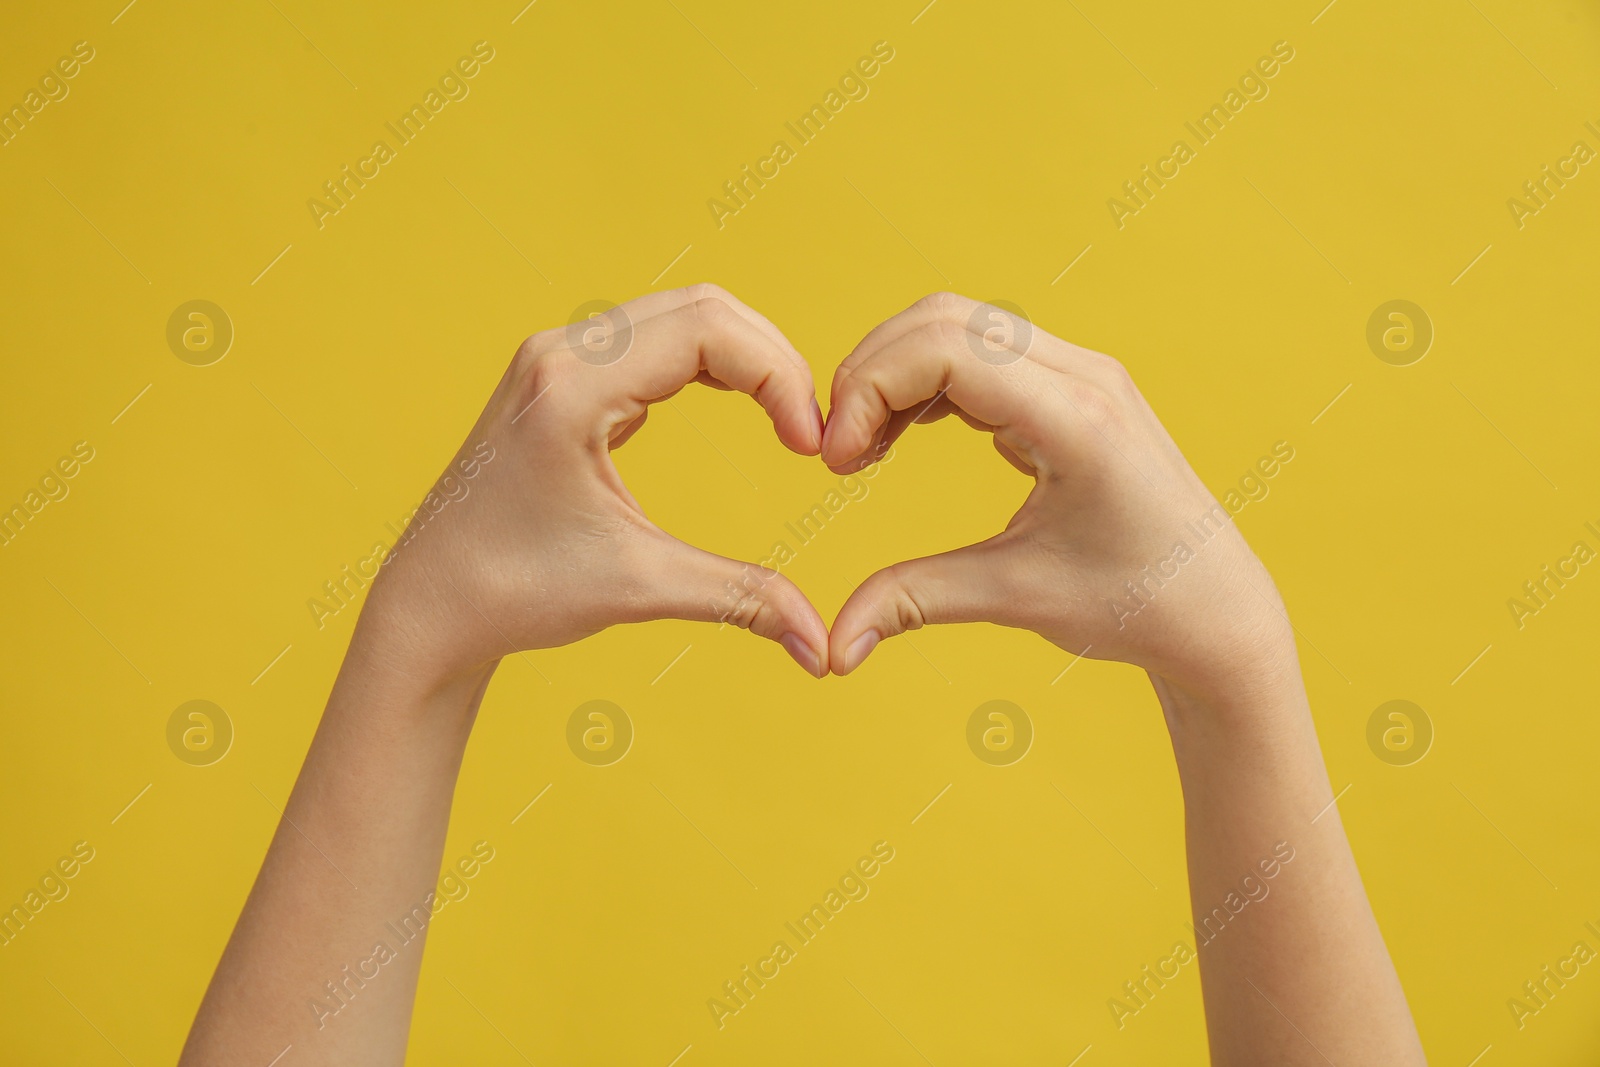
(351, 868)
(528, 540)
(1292, 963)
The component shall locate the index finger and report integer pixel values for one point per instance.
(709, 335)
(931, 361)
(653, 304)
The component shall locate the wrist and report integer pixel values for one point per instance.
(419, 619)
(1230, 645)
(395, 671)
(1247, 701)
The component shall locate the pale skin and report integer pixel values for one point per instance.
(547, 547)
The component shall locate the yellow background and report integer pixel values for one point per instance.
(982, 161)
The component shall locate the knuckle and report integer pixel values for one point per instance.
(948, 334)
(1114, 368)
(539, 362)
(1123, 389)
(744, 599)
(743, 611)
(905, 607)
(711, 311)
(535, 384)
(704, 291)
(538, 345)
(1092, 403)
(945, 305)
(538, 368)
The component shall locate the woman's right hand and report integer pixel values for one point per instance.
(530, 539)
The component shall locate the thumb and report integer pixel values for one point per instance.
(964, 585)
(701, 586)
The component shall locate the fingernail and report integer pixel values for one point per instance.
(859, 648)
(827, 435)
(802, 654)
(816, 423)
